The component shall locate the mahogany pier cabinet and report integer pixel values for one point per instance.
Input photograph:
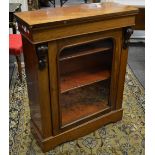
(75, 62)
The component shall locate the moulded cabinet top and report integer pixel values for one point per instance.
(73, 14)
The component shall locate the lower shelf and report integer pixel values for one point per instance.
(84, 101)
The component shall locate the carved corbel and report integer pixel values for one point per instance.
(128, 31)
(41, 51)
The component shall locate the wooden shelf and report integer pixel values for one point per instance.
(78, 51)
(84, 102)
(79, 111)
(82, 78)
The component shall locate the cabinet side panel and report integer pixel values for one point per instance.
(38, 90)
(32, 82)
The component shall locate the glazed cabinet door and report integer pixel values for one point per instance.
(83, 79)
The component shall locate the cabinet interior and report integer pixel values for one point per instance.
(84, 79)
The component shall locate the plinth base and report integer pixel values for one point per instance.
(49, 143)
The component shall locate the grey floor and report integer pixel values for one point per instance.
(136, 60)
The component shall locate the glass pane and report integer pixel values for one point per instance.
(85, 72)
(84, 101)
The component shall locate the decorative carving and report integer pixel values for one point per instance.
(42, 54)
(127, 33)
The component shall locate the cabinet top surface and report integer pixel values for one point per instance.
(69, 14)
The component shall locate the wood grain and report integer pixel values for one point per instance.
(82, 78)
(38, 89)
(69, 14)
